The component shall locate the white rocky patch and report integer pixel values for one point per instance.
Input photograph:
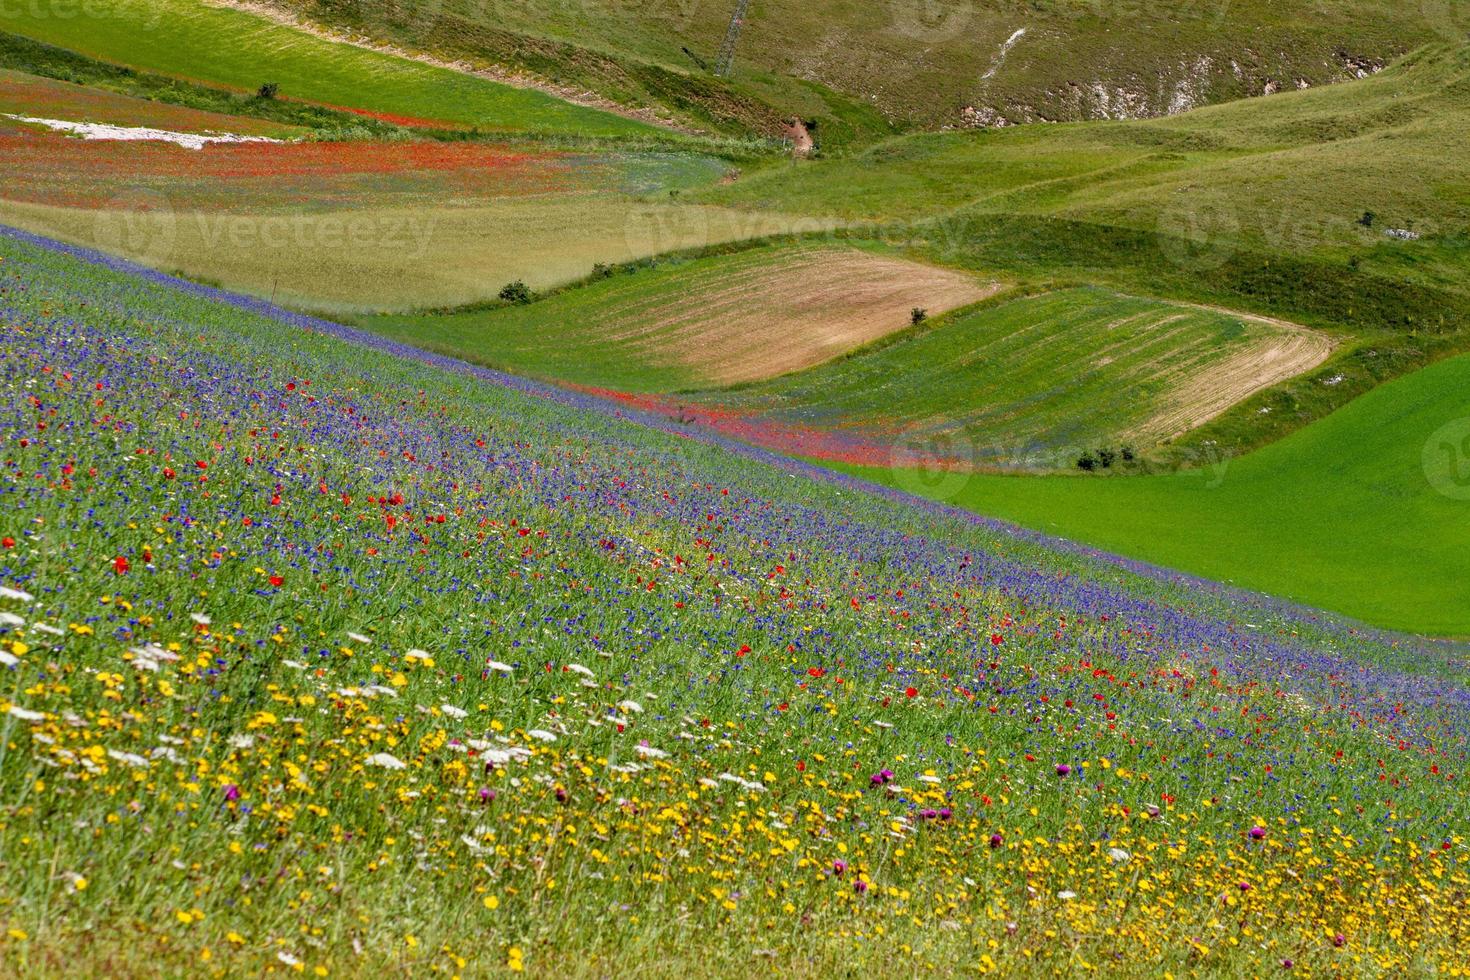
(106, 131)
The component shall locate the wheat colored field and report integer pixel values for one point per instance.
(394, 259)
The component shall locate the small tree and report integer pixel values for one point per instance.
(918, 315)
(516, 292)
(267, 91)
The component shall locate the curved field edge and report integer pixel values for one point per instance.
(202, 695)
(1030, 379)
(181, 38)
(877, 483)
(737, 316)
(1364, 512)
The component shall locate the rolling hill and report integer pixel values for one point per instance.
(724, 319)
(201, 42)
(1037, 381)
(323, 664)
(953, 63)
(1364, 512)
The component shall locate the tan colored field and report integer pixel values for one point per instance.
(747, 321)
(1275, 351)
(394, 259)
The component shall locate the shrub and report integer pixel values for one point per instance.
(1127, 454)
(1087, 462)
(1106, 457)
(516, 292)
(1367, 219)
(267, 91)
(601, 270)
(918, 315)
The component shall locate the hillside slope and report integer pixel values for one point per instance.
(201, 42)
(1345, 208)
(958, 62)
(357, 660)
(1366, 512)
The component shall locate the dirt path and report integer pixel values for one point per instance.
(489, 72)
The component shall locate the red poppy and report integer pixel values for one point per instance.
(911, 692)
(120, 565)
(276, 580)
(7, 542)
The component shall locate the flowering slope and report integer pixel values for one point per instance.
(319, 659)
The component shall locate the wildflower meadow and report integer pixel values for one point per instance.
(321, 655)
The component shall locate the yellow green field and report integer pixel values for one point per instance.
(396, 259)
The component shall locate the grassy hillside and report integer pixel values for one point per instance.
(722, 319)
(47, 98)
(200, 42)
(1260, 205)
(356, 661)
(1290, 173)
(1040, 380)
(917, 63)
(1365, 512)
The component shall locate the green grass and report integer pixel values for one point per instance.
(35, 58)
(1046, 376)
(697, 321)
(1292, 173)
(1253, 205)
(1346, 514)
(848, 62)
(343, 661)
(194, 41)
